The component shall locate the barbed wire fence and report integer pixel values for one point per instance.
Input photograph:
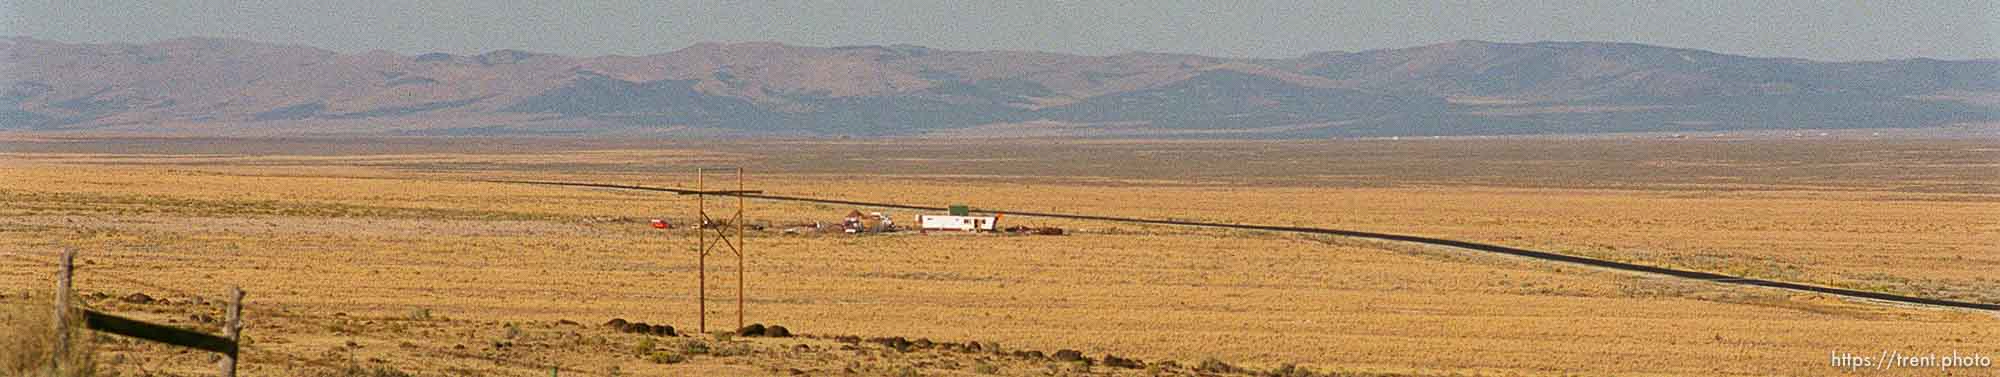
(532, 368)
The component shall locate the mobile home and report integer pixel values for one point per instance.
(958, 223)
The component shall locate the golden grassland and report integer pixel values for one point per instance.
(389, 246)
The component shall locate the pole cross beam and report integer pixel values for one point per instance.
(722, 192)
(721, 233)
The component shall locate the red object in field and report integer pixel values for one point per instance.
(659, 224)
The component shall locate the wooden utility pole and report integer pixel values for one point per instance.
(739, 248)
(701, 248)
(62, 309)
(705, 245)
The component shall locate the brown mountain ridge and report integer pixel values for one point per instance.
(207, 86)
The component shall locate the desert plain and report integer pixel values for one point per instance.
(401, 256)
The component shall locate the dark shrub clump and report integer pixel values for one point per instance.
(754, 329)
(776, 331)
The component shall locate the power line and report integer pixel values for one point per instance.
(1491, 248)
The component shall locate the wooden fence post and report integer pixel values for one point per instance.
(62, 310)
(231, 329)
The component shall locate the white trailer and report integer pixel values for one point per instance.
(958, 223)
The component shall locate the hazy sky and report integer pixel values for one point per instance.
(1825, 30)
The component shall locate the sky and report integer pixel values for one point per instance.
(1820, 30)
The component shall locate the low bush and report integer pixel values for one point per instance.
(645, 347)
(1211, 365)
(663, 357)
(985, 368)
(728, 350)
(694, 347)
(28, 341)
(359, 371)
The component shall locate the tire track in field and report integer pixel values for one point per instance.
(1491, 248)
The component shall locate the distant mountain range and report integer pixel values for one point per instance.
(232, 87)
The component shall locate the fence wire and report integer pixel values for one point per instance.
(535, 368)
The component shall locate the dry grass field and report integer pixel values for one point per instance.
(377, 256)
